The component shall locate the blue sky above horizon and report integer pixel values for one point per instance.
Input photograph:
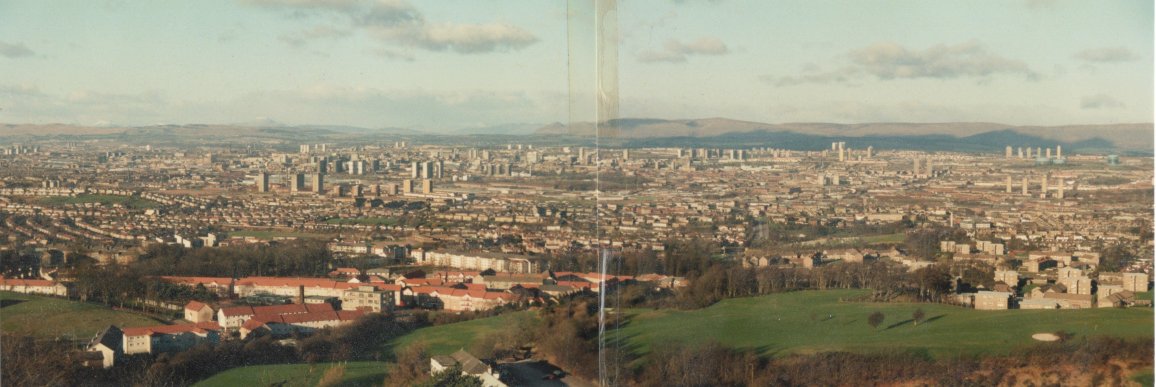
(434, 65)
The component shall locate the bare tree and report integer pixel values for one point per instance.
(875, 319)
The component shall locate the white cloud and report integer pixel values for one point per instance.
(20, 91)
(301, 38)
(890, 61)
(677, 52)
(1100, 101)
(887, 61)
(1106, 55)
(398, 23)
(15, 50)
(459, 38)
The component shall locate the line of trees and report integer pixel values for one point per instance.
(889, 281)
(51, 363)
(300, 258)
(124, 285)
(1088, 361)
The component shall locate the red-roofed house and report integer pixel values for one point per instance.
(169, 338)
(457, 300)
(234, 317)
(196, 312)
(286, 324)
(218, 285)
(324, 287)
(34, 286)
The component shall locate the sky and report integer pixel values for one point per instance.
(452, 64)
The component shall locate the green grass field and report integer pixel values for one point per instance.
(1145, 378)
(446, 339)
(380, 221)
(885, 238)
(271, 234)
(53, 317)
(442, 340)
(357, 373)
(1144, 296)
(127, 201)
(816, 321)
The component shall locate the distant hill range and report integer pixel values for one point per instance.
(950, 135)
(638, 132)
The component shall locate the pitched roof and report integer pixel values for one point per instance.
(1125, 295)
(111, 337)
(1069, 296)
(470, 364)
(196, 306)
(302, 318)
(221, 281)
(25, 282)
(198, 328)
(243, 310)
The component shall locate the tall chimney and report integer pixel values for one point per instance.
(300, 294)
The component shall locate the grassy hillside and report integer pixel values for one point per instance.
(446, 339)
(53, 317)
(357, 373)
(442, 340)
(816, 321)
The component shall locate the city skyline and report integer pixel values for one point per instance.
(437, 66)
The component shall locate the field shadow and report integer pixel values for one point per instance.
(934, 318)
(925, 321)
(9, 302)
(364, 380)
(898, 324)
(624, 343)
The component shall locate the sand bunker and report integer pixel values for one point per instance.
(1045, 337)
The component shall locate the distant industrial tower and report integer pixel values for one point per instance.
(319, 183)
(297, 182)
(1044, 185)
(1007, 152)
(263, 182)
